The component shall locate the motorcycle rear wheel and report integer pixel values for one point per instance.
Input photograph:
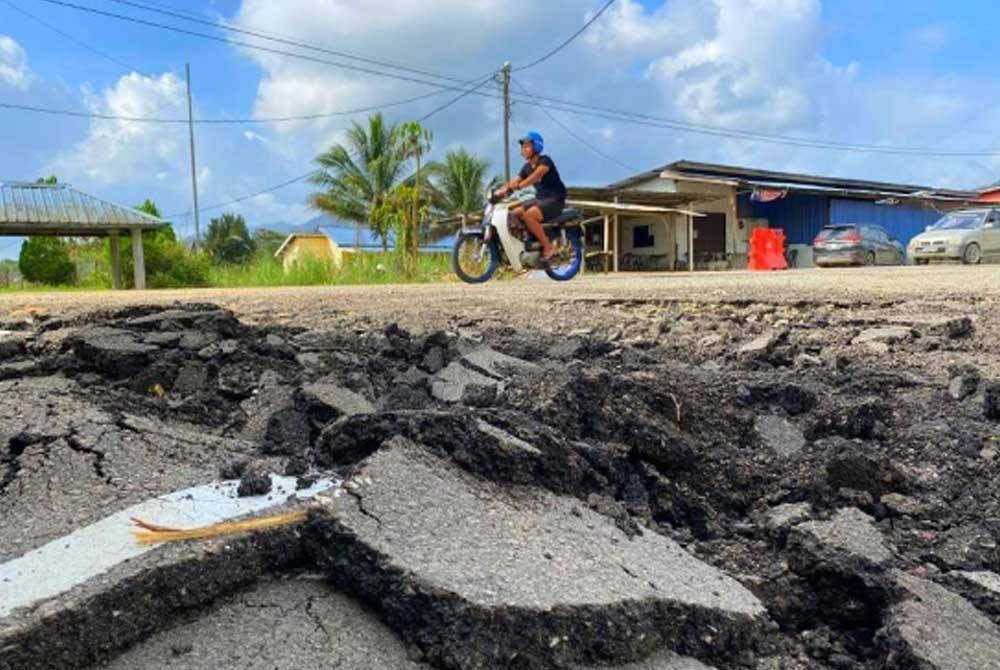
(568, 259)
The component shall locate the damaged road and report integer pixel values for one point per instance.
(670, 486)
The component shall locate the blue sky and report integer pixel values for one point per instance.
(914, 73)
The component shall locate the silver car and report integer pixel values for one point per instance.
(968, 235)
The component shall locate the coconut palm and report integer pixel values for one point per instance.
(460, 182)
(356, 176)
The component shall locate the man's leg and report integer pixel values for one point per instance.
(532, 218)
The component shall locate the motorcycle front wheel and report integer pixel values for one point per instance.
(568, 259)
(474, 259)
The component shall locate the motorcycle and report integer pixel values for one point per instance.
(501, 240)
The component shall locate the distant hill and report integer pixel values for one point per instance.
(283, 227)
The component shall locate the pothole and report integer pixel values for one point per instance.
(518, 500)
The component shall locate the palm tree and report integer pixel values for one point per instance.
(357, 176)
(460, 182)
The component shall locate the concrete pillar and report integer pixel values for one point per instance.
(116, 262)
(138, 260)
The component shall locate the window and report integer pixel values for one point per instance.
(641, 237)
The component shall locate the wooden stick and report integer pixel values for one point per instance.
(152, 534)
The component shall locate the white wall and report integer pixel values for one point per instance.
(657, 228)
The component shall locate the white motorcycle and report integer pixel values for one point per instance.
(502, 240)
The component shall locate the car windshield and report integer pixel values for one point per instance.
(837, 233)
(959, 221)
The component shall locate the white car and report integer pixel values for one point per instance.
(968, 235)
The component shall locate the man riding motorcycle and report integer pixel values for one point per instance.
(550, 192)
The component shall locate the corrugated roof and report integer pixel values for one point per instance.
(59, 209)
(797, 181)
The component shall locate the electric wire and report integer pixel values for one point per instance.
(568, 41)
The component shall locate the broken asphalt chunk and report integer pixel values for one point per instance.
(847, 544)
(935, 629)
(477, 574)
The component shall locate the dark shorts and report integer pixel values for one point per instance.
(551, 207)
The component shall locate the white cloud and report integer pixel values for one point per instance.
(758, 67)
(13, 64)
(627, 30)
(116, 151)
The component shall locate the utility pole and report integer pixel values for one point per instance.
(194, 170)
(505, 82)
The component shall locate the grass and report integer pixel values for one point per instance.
(264, 271)
(360, 269)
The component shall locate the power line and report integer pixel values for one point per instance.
(259, 120)
(572, 108)
(80, 43)
(738, 133)
(569, 40)
(578, 138)
(256, 47)
(185, 16)
(454, 100)
(249, 196)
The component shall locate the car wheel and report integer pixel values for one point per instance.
(922, 261)
(870, 258)
(972, 254)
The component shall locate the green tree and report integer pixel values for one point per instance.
(357, 176)
(169, 262)
(149, 207)
(267, 242)
(51, 180)
(228, 240)
(459, 182)
(45, 260)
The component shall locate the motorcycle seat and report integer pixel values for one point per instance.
(568, 214)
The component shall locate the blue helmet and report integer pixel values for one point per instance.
(536, 140)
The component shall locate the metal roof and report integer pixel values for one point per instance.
(58, 209)
(752, 177)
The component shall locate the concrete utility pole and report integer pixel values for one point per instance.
(194, 170)
(505, 81)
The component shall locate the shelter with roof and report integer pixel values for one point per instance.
(732, 201)
(58, 210)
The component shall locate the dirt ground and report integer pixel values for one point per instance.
(825, 439)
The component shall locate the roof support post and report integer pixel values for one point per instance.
(138, 260)
(690, 236)
(617, 237)
(607, 241)
(116, 261)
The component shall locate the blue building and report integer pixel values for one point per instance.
(722, 204)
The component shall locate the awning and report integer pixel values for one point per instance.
(605, 206)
